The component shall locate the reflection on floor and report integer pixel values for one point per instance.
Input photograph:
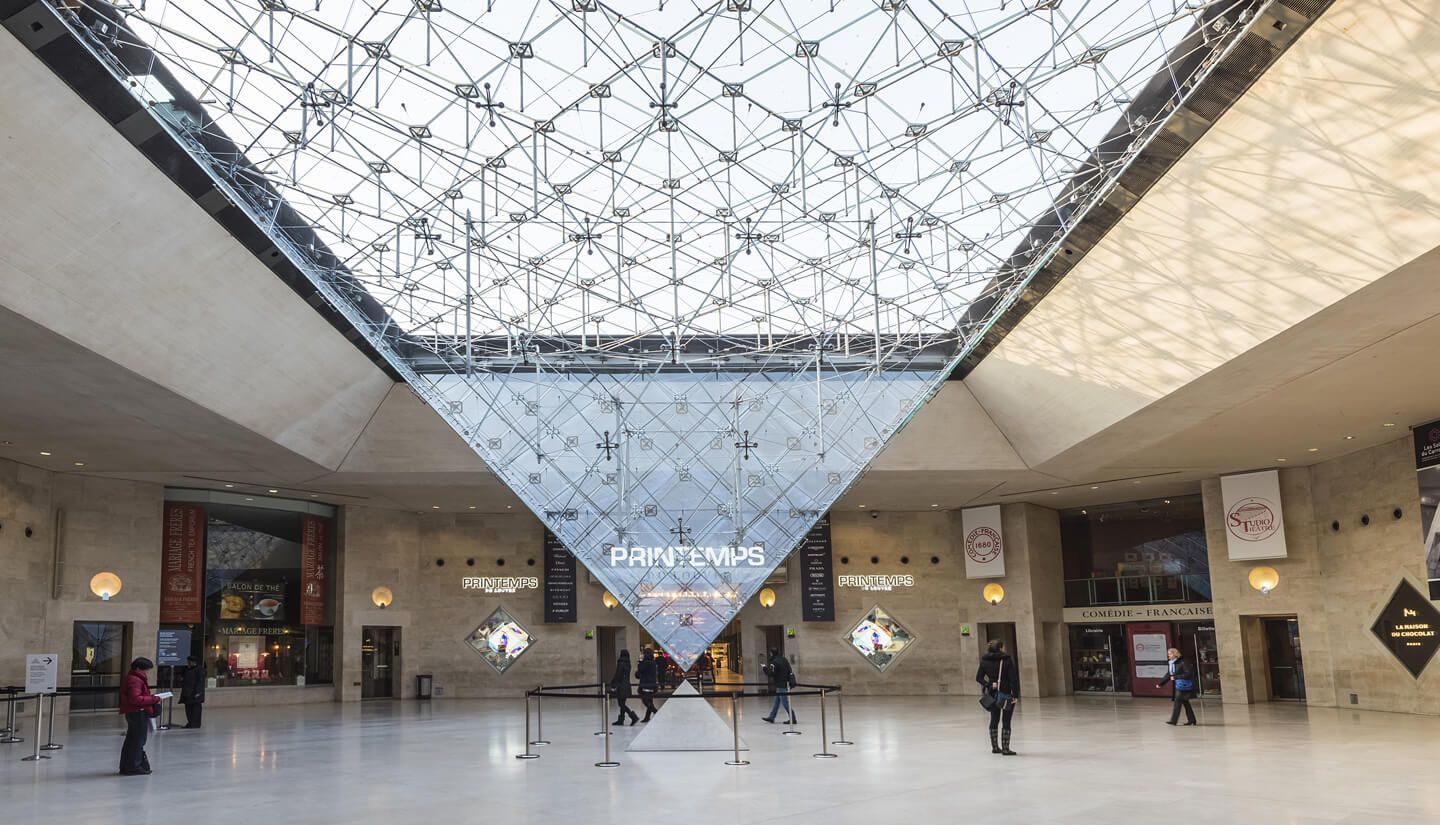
(915, 760)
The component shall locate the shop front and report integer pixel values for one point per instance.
(1122, 650)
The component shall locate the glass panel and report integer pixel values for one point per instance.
(500, 640)
(880, 638)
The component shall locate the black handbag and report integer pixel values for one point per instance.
(990, 699)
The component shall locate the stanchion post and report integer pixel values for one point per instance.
(790, 727)
(840, 710)
(10, 730)
(527, 754)
(735, 727)
(39, 717)
(604, 715)
(824, 745)
(539, 719)
(50, 730)
(605, 719)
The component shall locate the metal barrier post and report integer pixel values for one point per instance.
(840, 702)
(539, 719)
(604, 716)
(824, 746)
(10, 731)
(605, 719)
(527, 754)
(790, 726)
(50, 730)
(735, 726)
(39, 717)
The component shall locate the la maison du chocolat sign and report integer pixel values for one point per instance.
(1408, 628)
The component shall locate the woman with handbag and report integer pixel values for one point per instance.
(620, 689)
(999, 694)
(137, 704)
(1182, 679)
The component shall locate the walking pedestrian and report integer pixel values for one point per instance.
(782, 680)
(136, 704)
(1182, 685)
(620, 688)
(647, 678)
(192, 691)
(1000, 683)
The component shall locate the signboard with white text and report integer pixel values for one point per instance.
(42, 670)
(1254, 520)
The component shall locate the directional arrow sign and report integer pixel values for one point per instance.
(41, 672)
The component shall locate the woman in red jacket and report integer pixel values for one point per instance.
(136, 700)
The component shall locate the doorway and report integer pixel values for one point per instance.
(1004, 632)
(100, 655)
(1283, 659)
(726, 659)
(609, 641)
(379, 662)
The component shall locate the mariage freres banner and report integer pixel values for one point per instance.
(984, 542)
(1254, 520)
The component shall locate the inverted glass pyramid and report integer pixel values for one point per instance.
(676, 271)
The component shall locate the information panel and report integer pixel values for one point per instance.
(560, 595)
(816, 582)
(172, 646)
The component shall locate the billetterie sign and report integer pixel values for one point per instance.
(686, 556)
(499, 584)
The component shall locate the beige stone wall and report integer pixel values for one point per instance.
(1334, 582)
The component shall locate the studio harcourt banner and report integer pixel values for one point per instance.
(1254, 521)
(984, 542)
(182, 552)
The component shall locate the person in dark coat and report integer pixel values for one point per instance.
(647, 677)
(620, 688)
(1182, 681)
(999, 677)
(782, 679)
(136, 705)
(192, 691)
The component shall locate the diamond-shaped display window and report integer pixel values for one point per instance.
(880, 638)
(1409, 627)
(500, 640)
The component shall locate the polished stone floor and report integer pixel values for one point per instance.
(915, 760)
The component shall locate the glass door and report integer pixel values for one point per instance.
(100, 654)
(379, 657)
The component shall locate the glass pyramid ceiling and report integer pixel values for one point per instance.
(676, 271)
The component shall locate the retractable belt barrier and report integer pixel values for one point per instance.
(11, 694)
(602, 693)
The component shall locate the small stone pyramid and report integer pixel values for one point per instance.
(686, 725)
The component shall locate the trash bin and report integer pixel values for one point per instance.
(424, 682)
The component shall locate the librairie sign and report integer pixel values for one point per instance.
(500, 584)
(880, 583)
(1140, 613)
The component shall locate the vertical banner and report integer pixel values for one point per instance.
(1254, 520)
(984, 542)
(817, 585)
(1427, 477)
(560, 595)
(182, 559)
(312, 570)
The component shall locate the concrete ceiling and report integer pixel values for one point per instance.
(1275, 292)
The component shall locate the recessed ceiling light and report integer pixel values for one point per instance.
(861, 506)
(434, 507)
(229, 485)
(1349, 438)
(79, 464)
(1084, 512)
(1314, 449)
(1386, 424)
(1167, 501)
(1095, 486)
(274, 491)
(12, 444)
(314, 495)
(507, 507)
(1054, 492)
(934, 505)
(1281, 459)
(472, 507)
(247, 498)
(44, 452)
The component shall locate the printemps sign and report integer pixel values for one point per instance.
(500, 584)
(876, 583)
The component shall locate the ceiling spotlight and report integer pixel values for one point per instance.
(1313, 450)
(79, 464)
(861, 506)
(1095, 486)
(471, 507)
(44, 452)
(229, 485)
(434, 507)
(273, 491)
(1349, 438)
(1281, 460)
(1386, 424)
(1167, 501)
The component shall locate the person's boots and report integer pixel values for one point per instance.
(1005, 744)
(995, 742)
(634, 717)
(619, 722)
(648, 713)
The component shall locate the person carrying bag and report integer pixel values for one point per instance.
(999, 694)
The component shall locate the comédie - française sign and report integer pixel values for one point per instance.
(1140, 613)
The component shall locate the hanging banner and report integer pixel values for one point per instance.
(182, 560)
(560, 596)
(312, 570)
(1427, 477)
(1254, 521)
(817, 590)
(984, 542)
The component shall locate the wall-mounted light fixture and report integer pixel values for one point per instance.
(994, 593)
(767, 597)
(105, 585)
(382, 597)
(1264, 579)
(609, 601)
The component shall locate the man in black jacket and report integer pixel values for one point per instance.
(192, 691)
(782, 678)
(1182, 679)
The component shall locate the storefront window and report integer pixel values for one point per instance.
(268, 603)
(1143, 552)
(1099, 660)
